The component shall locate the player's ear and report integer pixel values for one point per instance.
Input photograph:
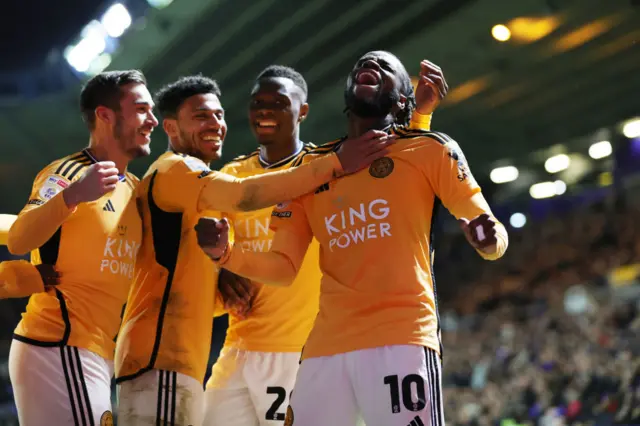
(402, 102)
(170, 126)
(106, 115)
(304, 111)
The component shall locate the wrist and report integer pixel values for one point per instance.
(70, 196)
(225, 255)
(422, 121)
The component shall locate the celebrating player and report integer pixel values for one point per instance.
(374, 351)
(254, 375)
(79, 219)
(165, 338)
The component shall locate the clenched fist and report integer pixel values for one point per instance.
(99, 179)
(213, 236)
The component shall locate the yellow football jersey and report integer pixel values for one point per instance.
(281, 318)
(167, 321)
(376, 254)
(94, 250)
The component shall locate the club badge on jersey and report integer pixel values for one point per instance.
(52, 186)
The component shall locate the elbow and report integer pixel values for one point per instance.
(15, 243)
(250, 199)
(284, 280)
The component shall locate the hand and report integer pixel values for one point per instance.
(357, 153)
(237, 293)
(99, 179)
(431, 89)
(481, 233)
(50, 277)
(213, 236)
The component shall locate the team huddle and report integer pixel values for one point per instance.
(322, 257)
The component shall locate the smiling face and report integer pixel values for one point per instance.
(374, 85)
(199, 128)
(276, 107)
(134, 121)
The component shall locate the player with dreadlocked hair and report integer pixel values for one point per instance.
(374, 352)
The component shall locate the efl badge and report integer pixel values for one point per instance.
(381, 168)
(106, 419)
(288, 419)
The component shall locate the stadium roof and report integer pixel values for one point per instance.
(569, 69)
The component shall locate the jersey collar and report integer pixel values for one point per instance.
(93, 159)
(265, 164)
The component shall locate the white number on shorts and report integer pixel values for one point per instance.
(407, 396)
(281, 395)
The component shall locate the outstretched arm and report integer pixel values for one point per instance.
(276, 267)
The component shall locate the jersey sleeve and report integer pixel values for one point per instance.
(19, 278)
(290, 243)
(447, 171)
(43, 214)
(420, 121)
(226, 193)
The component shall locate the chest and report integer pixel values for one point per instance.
(390, 193)
(110, 225)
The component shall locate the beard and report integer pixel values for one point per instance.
(188, 141)
(378, 106)
(127, 141)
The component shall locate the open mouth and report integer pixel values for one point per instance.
(368, 77)
(266, 126)
(146, 133)
(214, 140)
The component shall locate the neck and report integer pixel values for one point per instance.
(104, 149)
(275, 152)
(360, 125)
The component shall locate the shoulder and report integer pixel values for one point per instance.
(58, 175)
(429, 140)
(133, 178)
(241, 163)
(171, 163)
(69, 168)
(311, 151)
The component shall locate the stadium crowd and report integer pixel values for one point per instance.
(548, 338)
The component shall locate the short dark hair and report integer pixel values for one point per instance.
(104, 90)
(274, 71)
(171, 96)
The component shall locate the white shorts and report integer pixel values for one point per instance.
(390, 385)
(160, 397)
(60, 385)
(250, 388)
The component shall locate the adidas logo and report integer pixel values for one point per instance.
(417, 421)
(108, 207)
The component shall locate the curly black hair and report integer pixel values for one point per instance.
(403, 118)
(170, 97)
